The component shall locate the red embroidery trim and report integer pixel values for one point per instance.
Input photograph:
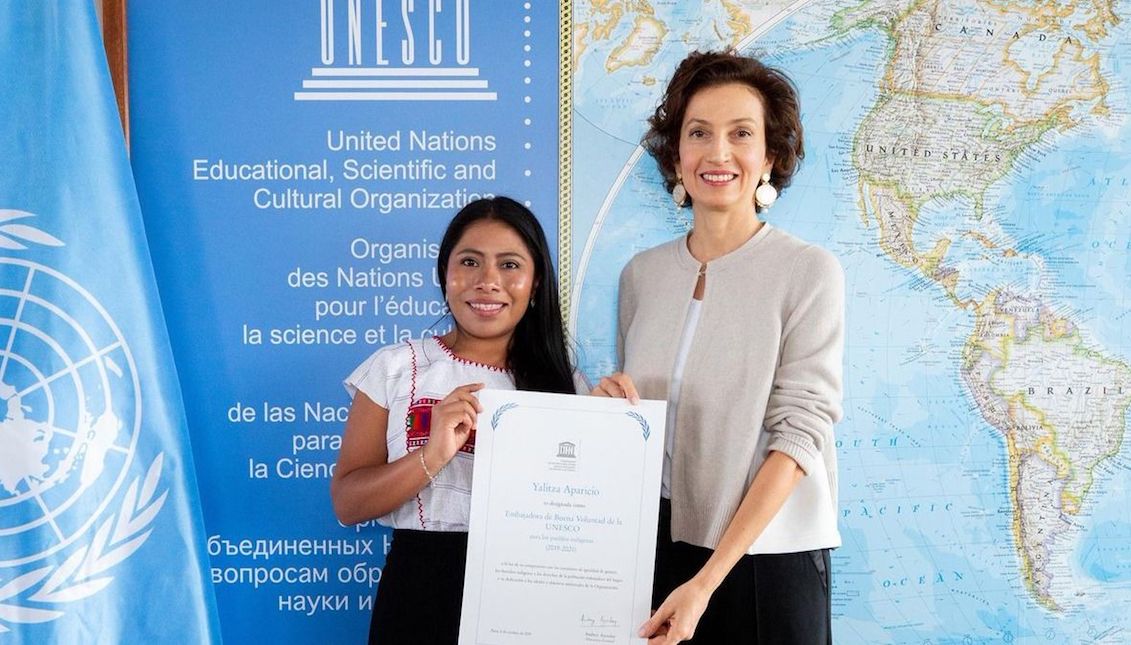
(408, 427)
(412, 387)
(460, 359)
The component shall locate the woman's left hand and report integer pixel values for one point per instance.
(678, 616)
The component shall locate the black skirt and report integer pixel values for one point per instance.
(421, 589)
(775, 598)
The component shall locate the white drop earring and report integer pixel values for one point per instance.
(679, 193)
(765, 194)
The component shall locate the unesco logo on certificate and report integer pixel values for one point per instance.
(566, 458)
(395, 50)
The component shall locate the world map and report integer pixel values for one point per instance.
(24, 459)
(63, 438)
(969, 163)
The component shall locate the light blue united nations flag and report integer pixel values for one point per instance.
(100, 532)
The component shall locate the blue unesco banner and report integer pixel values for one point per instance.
(101, 537)
(297, 164)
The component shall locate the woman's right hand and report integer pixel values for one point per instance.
(618, 386)
(453, 420)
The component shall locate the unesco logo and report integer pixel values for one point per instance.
(407, 50)
(70, 415)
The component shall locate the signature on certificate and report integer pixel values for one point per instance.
(598, 621)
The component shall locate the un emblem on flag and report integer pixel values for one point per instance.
(70, 412)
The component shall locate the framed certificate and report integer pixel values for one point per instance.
(564, 502)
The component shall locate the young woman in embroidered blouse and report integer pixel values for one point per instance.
(409, 442)
(739, 325)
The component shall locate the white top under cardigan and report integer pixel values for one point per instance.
(673, 394)
(763, 373)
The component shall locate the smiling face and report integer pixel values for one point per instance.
(490, 277)
(722, 148)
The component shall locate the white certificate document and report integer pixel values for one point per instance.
(564, 503)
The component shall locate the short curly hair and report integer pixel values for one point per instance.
(701, 70)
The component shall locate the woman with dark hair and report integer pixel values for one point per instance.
(740, 326)
(407, 453)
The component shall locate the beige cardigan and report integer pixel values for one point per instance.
(763, 373)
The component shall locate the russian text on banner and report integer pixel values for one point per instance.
(100, 531)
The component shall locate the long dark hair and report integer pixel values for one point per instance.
(537, 356)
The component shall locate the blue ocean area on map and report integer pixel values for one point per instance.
(1105, 552)
(1071, 204)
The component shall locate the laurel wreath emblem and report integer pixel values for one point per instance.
(495, 418)
(644, 427)
(13, 236)
(85, 572)
(38, 596)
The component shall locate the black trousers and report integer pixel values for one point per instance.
(776, 599)
(421, 590)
